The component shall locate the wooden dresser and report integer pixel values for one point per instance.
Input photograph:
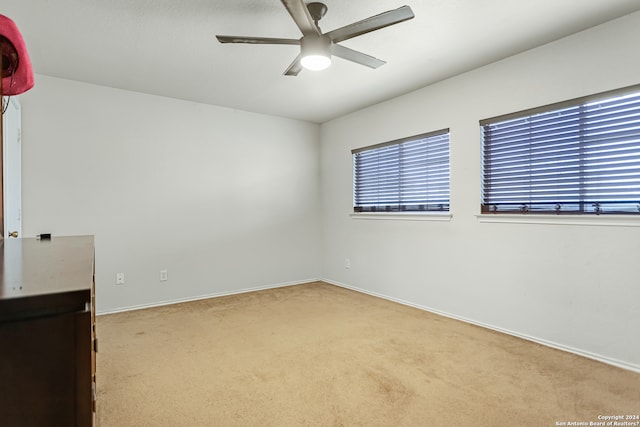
(47, 332)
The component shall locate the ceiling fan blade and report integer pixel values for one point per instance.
(372, 23)
(255, 40)
(355, 56)
(294, 68)
(301, 16)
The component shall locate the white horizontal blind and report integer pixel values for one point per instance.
(579, 159)
(407, 175)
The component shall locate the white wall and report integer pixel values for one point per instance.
(224, 200)
(574, 286)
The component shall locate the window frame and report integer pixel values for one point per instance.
(572, 217)
(399, 213)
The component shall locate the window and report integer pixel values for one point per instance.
(578, 157)
(411, 174)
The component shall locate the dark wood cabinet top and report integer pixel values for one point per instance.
(45, 275)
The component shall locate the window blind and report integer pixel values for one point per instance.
(411, 174)
(577, 159)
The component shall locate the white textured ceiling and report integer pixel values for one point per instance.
(168, 47)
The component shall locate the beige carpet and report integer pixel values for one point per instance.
(320, 355)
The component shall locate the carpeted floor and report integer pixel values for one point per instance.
(319, 355)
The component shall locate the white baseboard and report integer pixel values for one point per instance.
(604, 359)
(206, 296)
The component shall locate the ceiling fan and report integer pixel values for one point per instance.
(316, 48)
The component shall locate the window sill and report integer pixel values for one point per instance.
(600, 220)
(404, 216)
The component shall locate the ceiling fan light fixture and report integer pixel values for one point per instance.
(315, 62)
(316, 53)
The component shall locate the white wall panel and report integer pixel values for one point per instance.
(223, 200)
(574, 286)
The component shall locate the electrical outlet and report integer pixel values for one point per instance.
(163, 276)
(347, 263)
(119, 278)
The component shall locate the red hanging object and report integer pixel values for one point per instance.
(17, 72)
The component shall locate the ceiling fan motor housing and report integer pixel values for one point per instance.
(315, 52)
(320, 45)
